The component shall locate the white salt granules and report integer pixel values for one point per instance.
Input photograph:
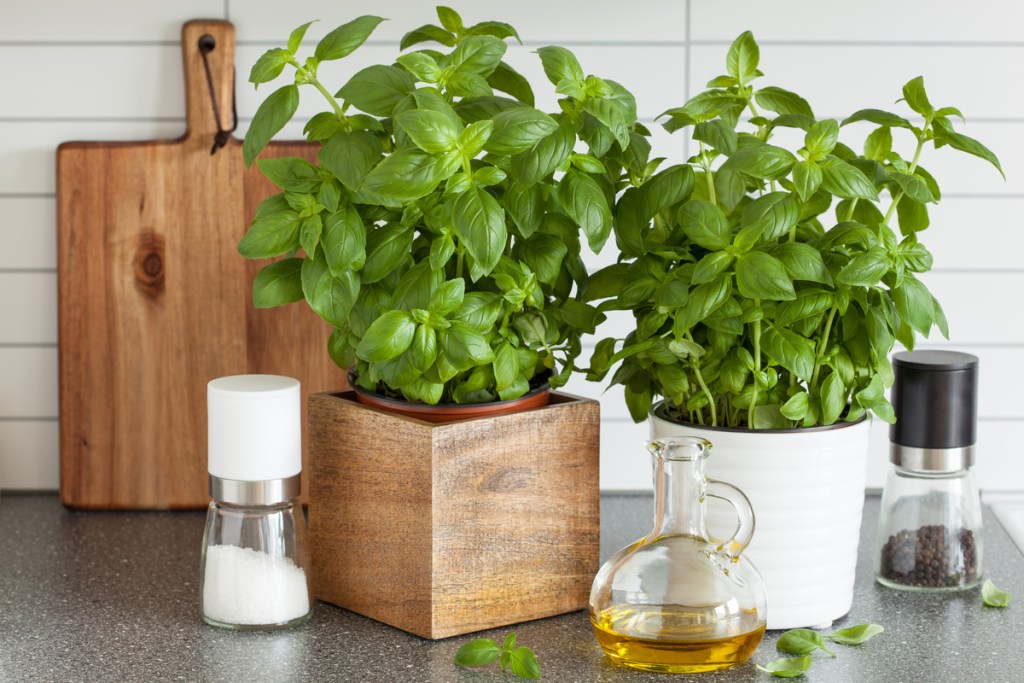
(247, 587)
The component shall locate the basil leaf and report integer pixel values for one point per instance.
(450, 19)
(760, 276)
(344, 240)
(330, 297)
(478, 652)
(917, 99)
(560, 65)
(992, 596)
(914, 304)
(408, 174)
(821, 139)
(788, 667)
(343, 40)
(544, 157)
(705, 224)
(525, 206)
(882, 118)
(271, 116)
(479, 222)
(833, 398)
(479, 310)
(783, 102)
(278, 284)
(421, 65)
(800, 641)
(855, 635)
(508, 80)
(845, 180)
(865, 270)
(796, 407)
(388, 337)
(585, 202)
(423, 351)
(377, 89)
(807, 304)
(386, 248)
(666, 189)
(431, 131)
(427, 33)
(448, 297)
(478, 55)
(913, 186)
(742, 58)
(766, 162)
(506, 371)
(273, 232)
(790, 350)
(944, 134)
(350, 156)
(802, 261)
(464, 346)
(270, 65)
(517, 130)
(544, 255)
(525, 664)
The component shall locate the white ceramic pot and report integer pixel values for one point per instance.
(807, 490)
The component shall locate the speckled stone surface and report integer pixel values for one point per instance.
(114, 597)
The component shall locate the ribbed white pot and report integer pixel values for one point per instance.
(807, 490)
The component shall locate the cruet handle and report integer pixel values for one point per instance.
(744, 513)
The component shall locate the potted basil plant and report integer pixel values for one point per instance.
(769, 286)
(440, 231)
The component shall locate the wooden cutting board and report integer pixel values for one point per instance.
(155, 301)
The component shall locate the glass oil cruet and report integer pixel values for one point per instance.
(679, 601)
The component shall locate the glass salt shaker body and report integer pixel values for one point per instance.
(254, 573)
(930, 525)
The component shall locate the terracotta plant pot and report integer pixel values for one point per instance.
(449, 412)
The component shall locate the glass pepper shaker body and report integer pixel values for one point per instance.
(930, 525)
(255, 563)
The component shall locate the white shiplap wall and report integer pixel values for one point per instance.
(110, 69)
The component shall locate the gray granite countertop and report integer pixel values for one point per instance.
(114, 597)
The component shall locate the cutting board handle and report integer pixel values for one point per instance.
(200, 119)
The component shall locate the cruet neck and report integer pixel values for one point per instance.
(679, 486)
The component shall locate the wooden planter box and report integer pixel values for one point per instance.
(445, 529)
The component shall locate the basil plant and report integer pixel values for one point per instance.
(769, 284)
(439, 232)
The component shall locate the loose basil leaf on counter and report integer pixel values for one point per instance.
(478, 652)
(788, 667)
(992, 596)
(802, 641)
(484, 651)
(855, 635)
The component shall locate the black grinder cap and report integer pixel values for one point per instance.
(935, 397)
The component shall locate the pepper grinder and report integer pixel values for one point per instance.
(254, 569)
(929, 531)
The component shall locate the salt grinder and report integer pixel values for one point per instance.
(254, 571)
(929, 533)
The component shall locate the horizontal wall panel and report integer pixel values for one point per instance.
(536, 20)
(866, 20)
(29, 454)
(28, 233)
(28, 308)
(29, 148)
(29, 385)
(110, 20)
(968, 233)
(873, 76)
(982, 308)
(95, 81)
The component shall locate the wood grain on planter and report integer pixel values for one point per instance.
(444, 529)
